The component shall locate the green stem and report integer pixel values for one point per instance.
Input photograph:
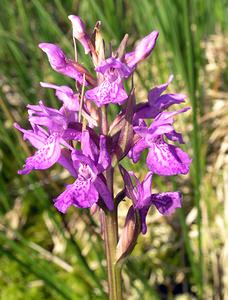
(114, 271)
(110, 221)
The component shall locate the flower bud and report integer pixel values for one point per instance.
(129, 234)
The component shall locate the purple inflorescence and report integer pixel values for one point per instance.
(81, 138)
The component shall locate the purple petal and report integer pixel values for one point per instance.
(79, 32)
(137, 150)
(146, 185)
(104, 193)
(166, 203)
(89, 148)
(80, 194)
(142, 50)
(64, 200)
(157, 91)
(79, 158)
(158, 127)
(165, 159)
(114, 63)
(37, 140)
(60, 63)
(175, 137)
(44, 157)
(107, 92)
(72, 134)
(168, 115)
(85, 194)
(104, 158)
(65, 160)
(128, 185)
(145, 112)
(143, 213)
(165, 101)
(65, 94)
(46, 116)
(149, 110)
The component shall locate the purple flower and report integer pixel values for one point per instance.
(79, 32)
(142, 199)
(111, 89)
(163, 158)
(90, 183)
(65, 94)
(157, 102)
(60, 63)
(142, 50)
(48, 142)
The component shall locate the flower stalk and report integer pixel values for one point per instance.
(110, 219)
(114, 270)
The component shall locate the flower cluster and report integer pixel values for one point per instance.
(81, 138)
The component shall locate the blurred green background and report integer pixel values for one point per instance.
(44, 255)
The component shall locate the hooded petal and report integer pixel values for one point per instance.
(114, 63)
(89, 148)
(167, 160)
(142, 50)
(44, 157)
(79, 32)
(104, 159)
(65, 160)
(146, 185)
(167, 203)
(79, 158)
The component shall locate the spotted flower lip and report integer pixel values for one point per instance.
(79, 32)
(163, 158)
(89, 185)
(60, 63)
(49, 141)
(142, 198)
(111, 89)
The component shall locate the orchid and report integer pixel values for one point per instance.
(142, 198)
(91, 144)
(111, 89)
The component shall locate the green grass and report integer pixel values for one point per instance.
(183, 26)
